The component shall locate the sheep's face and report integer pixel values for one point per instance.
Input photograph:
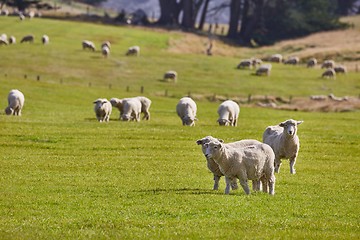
(223, 122)
(9, 111)
(212, 149)
(126, 117)
(206, 140)
(189, 121)
(290, 126)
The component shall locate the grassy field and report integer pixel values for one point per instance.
(63, 175)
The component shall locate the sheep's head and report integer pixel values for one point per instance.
(212, 149)
(223, 122)
(126, 117)
(189, 121)
(206, 140)
(290, 126)
(9, 111)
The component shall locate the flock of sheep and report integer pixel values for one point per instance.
(4, 40)
(331, 69)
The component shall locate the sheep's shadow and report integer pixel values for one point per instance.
(182, 191)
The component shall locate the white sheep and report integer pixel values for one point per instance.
(106, 44)
(284, 141)
(105, 51)
(292, 60)
(45, 39)
(256, 61)
(170, 75)
(12, 40)
(276, 58)
(88, 45)
(186, 109)
(247, 63)
(133, 51)
(329, 73)
(214, 167)
(228, 112)
(328, 64)
(16, 102)
(264, 69)
(131, 109)
(145, 105)
(254, 162)
(27, 38)
(102, 109)
(340, 69)
(311, 63)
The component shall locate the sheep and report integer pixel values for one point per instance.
(292, 60)
(133, 51)
(337, 99)
(186, 109)
(283, 139)
(318, 97)
(172, 75)
(106, 44)
(45, 39)
(88, 45)
(340, 69)
(3, 39)
(328, 64)
(131, 109)
(256, 61)
(214, 167)
(27, 38)
(12, 40)
(31, 14)
(105, 51)
(145, 105)
(311, 63)
(329, 73)
(276, 58)
(248, 63)
(5, 12)
(228, 112)
(21, 16)
(102, 109)
(264, 69)
(16, 102)
(254, 162)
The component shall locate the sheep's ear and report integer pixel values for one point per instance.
(199, 142)
(282, 124)
(220, 140)
(299, 122)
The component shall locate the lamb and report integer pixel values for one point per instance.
(214, 167)
(248, 63)
(105, 51)
(102, 109)
(292, 60)
(264, 69)
(133, 51)
(172, 75)
(329, 73)
(328, 64)
(88, 45)
(283, 139)
(228, 112)
(12, 40)
(340, 69)
(16, 102)
(27, 38)
(186, 109)
(45, 39)
(276, 58)
(131, 109)
(145, 105)
(311, 63)
(254, 162)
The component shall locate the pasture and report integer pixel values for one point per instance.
(65, 175)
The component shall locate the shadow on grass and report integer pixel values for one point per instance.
(186, 191)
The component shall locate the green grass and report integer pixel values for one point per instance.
(63, 175)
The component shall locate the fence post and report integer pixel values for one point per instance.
(38, 77)
(249, 99)
(142, 89)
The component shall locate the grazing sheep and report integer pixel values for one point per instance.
(329, 73)
(27, 38)
(131, 109)
(145, 105)
(102, 109)
(133, 51)
(311, 63)
(340, 69)
(248, 63)
(283, 139)
(45, 39)
(214, 167)
(276, 58)
(328, 64)
(12, 40)
(228, 112)
(105, 51)
(16, 102)
(264, 69)
(118, 103)
(186, 109)
(106, 44)
(292, 61)
(318, 97)
(3, 39)
(254, 162)
(170, 75)
(256, 61)
(88, 45)
(337, 99)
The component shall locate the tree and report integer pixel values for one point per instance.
(169, 12)
(203, 15)
(21, 5)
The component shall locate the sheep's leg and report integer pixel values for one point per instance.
(228, 183)
(277, 164)
(256, 185)
(264, 182)
(272, 185)
(234, 184)
(216, 182)
(245, 186)
(292, 164)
